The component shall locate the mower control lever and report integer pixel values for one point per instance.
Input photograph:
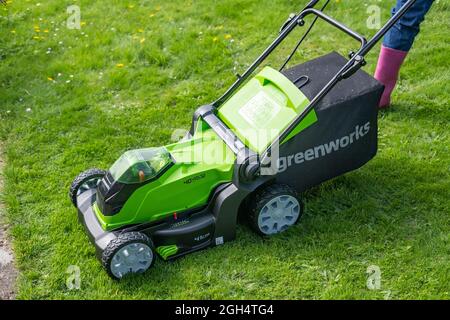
(358, 63)
(287, 22)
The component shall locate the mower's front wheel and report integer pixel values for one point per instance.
(84, 181)
(274, 209)
(130, 252)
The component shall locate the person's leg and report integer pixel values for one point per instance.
(397, 42)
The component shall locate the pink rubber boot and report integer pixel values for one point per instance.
(387, 71)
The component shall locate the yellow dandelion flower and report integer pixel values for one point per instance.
(215, 39)
(46, 30)
(120, 65)
(82, 23)
(228, 36)
(152, 15)
(36, 38)
(140, 30)
(50, 79)
(13, 31)
(131, 6)
(142, 40)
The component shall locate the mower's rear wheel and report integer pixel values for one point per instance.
(130, 252)
(274, 209)
(86, 180)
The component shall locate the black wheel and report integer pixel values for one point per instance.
(84, 181)
(129, 253)
(274, 209)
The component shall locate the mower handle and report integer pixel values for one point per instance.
(355, 35)
(312, 4)
(293, 16)
(284, 32)
(353, 65)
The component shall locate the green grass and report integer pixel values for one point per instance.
(393, 213)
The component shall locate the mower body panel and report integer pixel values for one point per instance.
(173, 236)
(200, 165)
(263, 108)
(87, 217)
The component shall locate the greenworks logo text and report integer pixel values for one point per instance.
(323, 149)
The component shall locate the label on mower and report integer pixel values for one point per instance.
(260, 110)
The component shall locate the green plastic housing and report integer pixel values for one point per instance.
(200, 164)
(263, 108)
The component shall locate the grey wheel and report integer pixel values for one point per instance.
(278, 214)
(274, 209)
(132, 258)
(129, 253)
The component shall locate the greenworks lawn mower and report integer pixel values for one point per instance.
(267, 139)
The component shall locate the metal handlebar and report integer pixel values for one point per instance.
(312, 4)
(355, 35)
(354, 64)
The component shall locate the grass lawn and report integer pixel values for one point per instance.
(136, 70)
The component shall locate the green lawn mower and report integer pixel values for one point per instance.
(270, 137)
